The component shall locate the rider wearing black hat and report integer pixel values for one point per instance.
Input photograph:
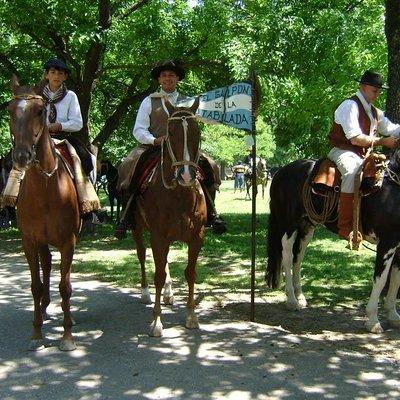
(150, 130)
(357, 123)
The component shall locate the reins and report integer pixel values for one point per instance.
(167, 142)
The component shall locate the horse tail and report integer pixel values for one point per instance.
(273, 271)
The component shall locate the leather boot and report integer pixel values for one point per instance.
(345, 220)
(127, 220)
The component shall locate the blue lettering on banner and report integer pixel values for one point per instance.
(218, 105)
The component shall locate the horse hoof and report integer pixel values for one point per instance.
(293, 306)
(168, 300)
(67, 345)
(192, 322)
(302, 302)
(373, 327)
(36, 344)
(156, 328)
(145, 297)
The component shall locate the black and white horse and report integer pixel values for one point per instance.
(291, 230)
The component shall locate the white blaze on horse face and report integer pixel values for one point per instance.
(21, 107)
(186, 156)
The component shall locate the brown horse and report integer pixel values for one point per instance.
(47, 208)
(173, 208)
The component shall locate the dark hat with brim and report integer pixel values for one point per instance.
(372, 78)
(168, 65)
(57, 64)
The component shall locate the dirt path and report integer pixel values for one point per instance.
(314, 354)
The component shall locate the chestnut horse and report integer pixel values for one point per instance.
(173, 208)
(47, 208)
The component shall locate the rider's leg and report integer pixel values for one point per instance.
(127, 219)
(348, 164)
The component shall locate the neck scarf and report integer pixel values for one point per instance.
(52, 98)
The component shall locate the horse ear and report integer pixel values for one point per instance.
(14, 83)
(40, 87)
(195, 105)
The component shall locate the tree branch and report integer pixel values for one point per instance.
(131, 9)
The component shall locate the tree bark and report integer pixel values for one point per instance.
(392, 32)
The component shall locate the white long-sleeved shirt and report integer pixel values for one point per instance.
(347, 116)
(68, 113)
(141, 129)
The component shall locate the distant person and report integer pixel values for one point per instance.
(238, 173)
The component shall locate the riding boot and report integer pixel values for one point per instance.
(345, 220)
(213, 219)
(127, 220)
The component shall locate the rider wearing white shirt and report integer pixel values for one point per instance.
(357, 123)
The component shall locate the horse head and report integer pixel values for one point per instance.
(27, 123)
(183, 142)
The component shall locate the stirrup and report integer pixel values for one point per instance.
(354, 243)
(120, 230)
(219, 225)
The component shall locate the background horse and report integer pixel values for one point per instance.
(173, 208)
(47, 211)
(262, 177)
(7, 214)
(111, 173)
(290, 231)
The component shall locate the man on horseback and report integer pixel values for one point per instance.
(356, 125)
(150, 130)
(63, 118)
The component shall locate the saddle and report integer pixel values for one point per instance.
(321, 191)
(326, 177)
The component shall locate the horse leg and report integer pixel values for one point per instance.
(45, 261)
(160, 252)
(298, 259)
(384, 258)
(67, 343)
(190, 274)
(287, 264)
(391, 297)
(31, 254)
(168, 294)
(141, 254)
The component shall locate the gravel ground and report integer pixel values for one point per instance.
(312, 354)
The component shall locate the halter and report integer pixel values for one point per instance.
(38, 135)
(175, 163)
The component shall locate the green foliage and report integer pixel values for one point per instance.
(307, 54)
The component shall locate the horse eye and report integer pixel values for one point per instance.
(40, 112)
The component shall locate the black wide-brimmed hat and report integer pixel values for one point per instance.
(372, 78)
(168, 65)
(57, 64)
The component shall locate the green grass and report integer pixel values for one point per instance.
(332, 275)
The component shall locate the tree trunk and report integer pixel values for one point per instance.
(392, 31)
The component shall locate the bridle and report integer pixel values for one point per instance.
(37, 135)
(167, 142)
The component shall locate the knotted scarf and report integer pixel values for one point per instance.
(52, 98)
